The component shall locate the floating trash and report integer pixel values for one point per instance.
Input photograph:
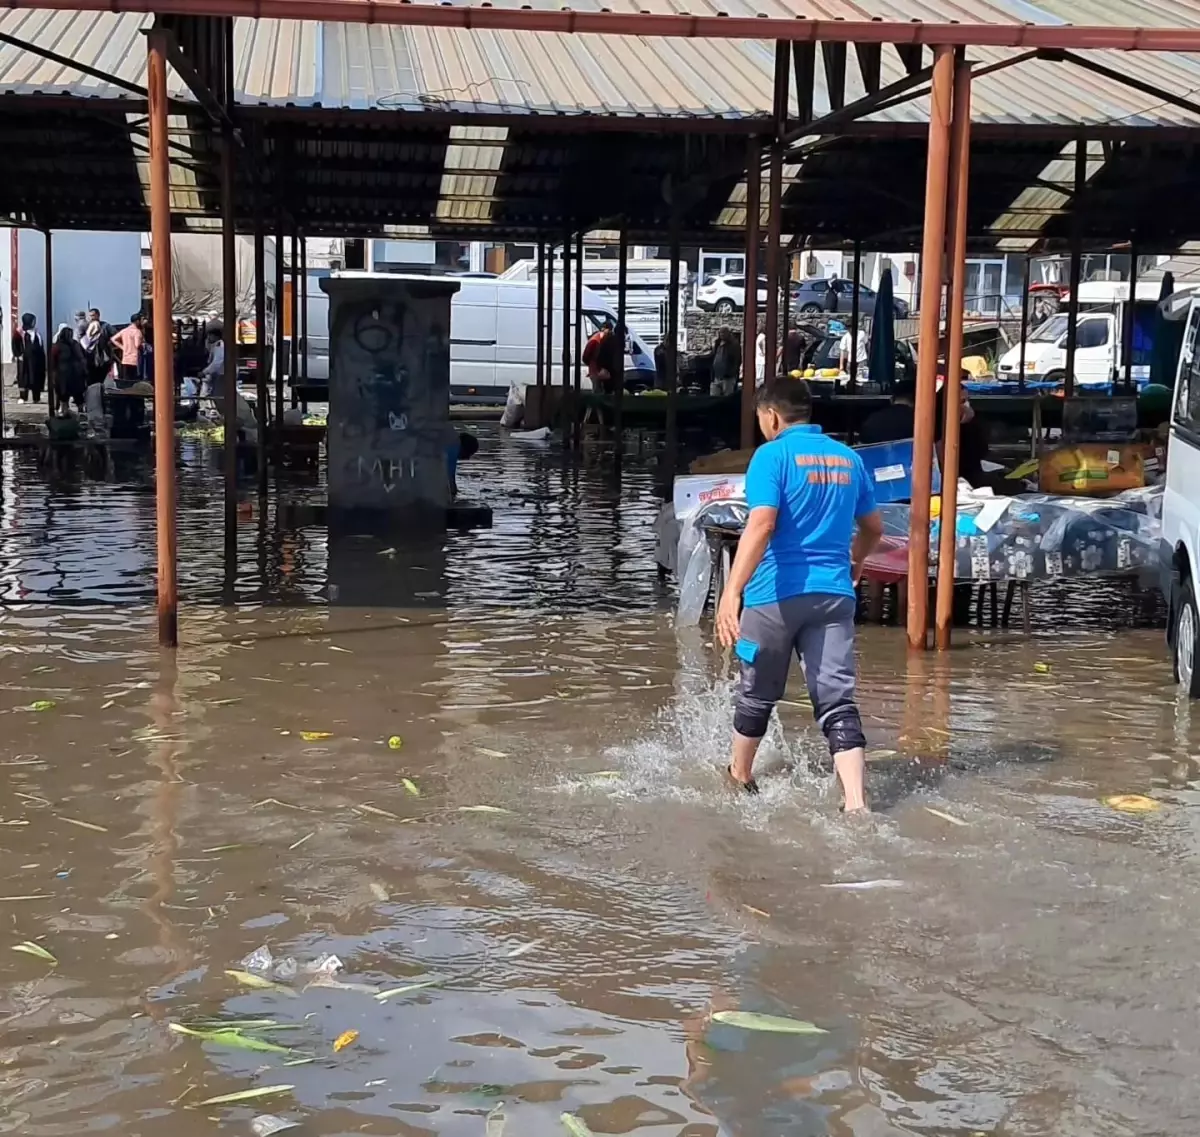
(267, 1125)
(247, 1095)
(1132, 803)
(346, 1038)
(774, 1024)
(36, 950)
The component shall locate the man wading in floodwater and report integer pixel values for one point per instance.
(813, 522)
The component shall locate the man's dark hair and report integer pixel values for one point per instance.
(791, 398)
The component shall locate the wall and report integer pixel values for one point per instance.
(91, 270)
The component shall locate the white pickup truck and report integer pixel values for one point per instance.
(1099, 358)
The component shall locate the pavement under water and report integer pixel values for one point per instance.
(1019, 962)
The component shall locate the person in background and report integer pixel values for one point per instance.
(81, 324)
(215, 368)
(461, 447)
(97, 346)
(760, 358)
(813, 522)
(128, 342)
(726, 363)
(69, 368)
(29, 352)
(846, 346)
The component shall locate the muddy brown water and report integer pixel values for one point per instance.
(1029, 971)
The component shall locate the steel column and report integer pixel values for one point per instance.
(294, 362)
(960, 167)
(578, 334)
(164, 355)
(622, 333)
(1024, 326)
(672, 353)
(932, 251)
(280, 341)
(774, 214)
(568, 400)
(229, 387)
(549, 352)
(750, 308)
(855, 315)
(48, 332)
(303, 309)
(260, 328)
(1127, 331)
(1076, 263)
(541, 313)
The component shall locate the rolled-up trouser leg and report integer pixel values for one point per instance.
(765, 651)
(825, 644)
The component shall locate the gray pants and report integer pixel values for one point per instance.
(819, 628)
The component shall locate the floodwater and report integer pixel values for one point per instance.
(1025, 968)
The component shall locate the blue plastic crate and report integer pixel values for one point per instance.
(889, 466)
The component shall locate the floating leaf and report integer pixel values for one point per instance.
(34, 896)
(267, 1125)
(83, 824)
(300, 1062)
(1042, 668)
(411, 786)
(482, 809)
(346, 1038)
(383, 996)
(757, 911)
(864, 885)
(315, 735)
(223, 848)
(301, 841)
(776, 1024)
(395, 742)
(946, 816)
(30, 948)
(231, 1037)
(490, 753)
(575, 1126)
(378, 891)
(257, 982)
(517, 952)
(247, 1095)
(1132, 803)
(43, 705)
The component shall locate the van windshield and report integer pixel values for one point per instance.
(1050, 330)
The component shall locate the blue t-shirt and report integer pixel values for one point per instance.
(820, 488)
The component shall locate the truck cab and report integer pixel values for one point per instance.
(1180, 547)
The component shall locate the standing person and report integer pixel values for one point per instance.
(29, 352)
(97, 346)
(81, 324)
(760, 358)
(726, 363)
(128, 342)
(845, 347)
(215, 368)
(69, 367)
(813, 522)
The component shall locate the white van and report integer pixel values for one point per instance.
(1099, 340)
(1180, 548)
(493, 337)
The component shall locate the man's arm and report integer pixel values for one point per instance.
(866, 540)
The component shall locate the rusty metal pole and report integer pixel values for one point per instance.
(568, 401)
(618, 380)
(960, 169)
(229, 289)
(750, 308)
(549, 356)
(164, 356)
(774, 214)
(932, 250)
(304, 310)
(578, 333)
(48, 332)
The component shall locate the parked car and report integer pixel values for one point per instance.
(813, 296)
(727, 294)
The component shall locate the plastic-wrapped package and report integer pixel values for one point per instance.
(696, 554)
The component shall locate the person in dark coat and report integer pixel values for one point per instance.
(726, 363)
(30, 354)
(69, 367)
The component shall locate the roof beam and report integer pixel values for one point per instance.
(1126, 80)
(999, 33)
(832, 123)
(73, 64)
(834, 56)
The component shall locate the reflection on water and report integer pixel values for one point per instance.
(564, 863)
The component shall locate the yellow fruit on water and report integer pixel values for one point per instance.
(1132, 803)
(395, 742)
